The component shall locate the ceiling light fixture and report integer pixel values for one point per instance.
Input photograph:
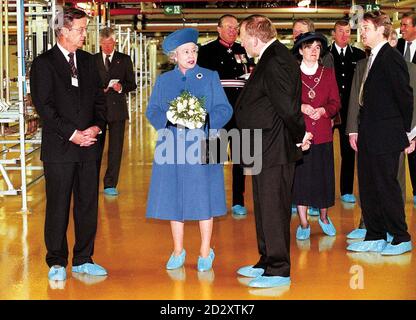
(304, 3)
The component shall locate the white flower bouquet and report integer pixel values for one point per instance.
(187, 110)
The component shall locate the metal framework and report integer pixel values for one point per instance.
(136, 45)
(18, 145)
(31, 22)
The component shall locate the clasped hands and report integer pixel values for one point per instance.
(86, 137)
(116, 87)
(314, 114)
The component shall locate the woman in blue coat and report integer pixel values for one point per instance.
(181, 189)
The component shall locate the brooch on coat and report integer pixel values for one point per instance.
(199, 76)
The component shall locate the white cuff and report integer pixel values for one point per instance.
(72, 137)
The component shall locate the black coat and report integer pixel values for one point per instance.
(387, 109)
(64, 108)
(121, 68)
(230, 64)
(401, 44)
(271, 101)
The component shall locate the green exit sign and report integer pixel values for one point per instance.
(372, 7)
(172, 10)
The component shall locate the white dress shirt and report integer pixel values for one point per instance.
(110, 58)
(66, 52)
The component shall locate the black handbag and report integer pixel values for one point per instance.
(213, 149)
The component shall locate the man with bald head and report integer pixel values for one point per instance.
(270, 101)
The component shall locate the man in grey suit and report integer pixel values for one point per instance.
(407, 47)
(117, 77)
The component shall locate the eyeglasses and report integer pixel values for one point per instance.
(80, 30)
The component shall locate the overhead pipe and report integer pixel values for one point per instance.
(156, 1)
(391, 3)
(411, 4)
(124, 12)
(209, 26)
(204, 13)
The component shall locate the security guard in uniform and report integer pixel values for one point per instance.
(231, 62)
(345, 61)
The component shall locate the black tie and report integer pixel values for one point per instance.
(107, 62)
(74, 71)
(342, 53)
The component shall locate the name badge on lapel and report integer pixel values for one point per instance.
(74, 82)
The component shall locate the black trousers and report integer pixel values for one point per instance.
(381, 197)
(347, 162)
(412, 169)
(239, 180)
(272, 211)
(115, 152)
(62, 180)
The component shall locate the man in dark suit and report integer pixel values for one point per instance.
(270, 101)
(116, 66)
(407, 47)
(230, 60)
(352, 130)
(386, 101)
(345, 61)
(66, 93)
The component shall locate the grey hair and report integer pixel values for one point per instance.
(171, 54)
(65, 18)
(107, 32)
(306, 22)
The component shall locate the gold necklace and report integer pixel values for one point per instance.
(311, 92)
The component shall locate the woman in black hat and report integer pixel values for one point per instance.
(314, 183)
